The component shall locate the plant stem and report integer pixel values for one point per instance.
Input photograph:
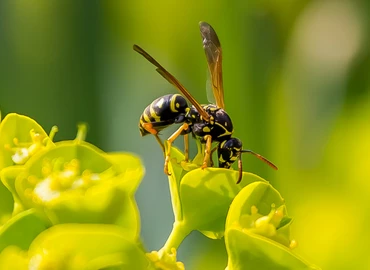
(178, 234)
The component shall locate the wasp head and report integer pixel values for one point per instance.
(228, 152)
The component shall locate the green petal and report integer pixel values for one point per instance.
(90, 157)
(86, 246)
(250, 251)
(22, 229)
(129, 163)
(16, 126)
(206, 196)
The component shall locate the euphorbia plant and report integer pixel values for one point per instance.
(70, 205)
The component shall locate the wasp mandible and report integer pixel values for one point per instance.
(208, 123)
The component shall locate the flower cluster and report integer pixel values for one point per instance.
(251, 215)
(69, 205)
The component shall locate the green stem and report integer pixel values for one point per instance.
(178, 234)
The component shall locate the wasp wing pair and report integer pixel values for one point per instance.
(212, 47)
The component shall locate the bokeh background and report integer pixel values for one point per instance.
(297, 86)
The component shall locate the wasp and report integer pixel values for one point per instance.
(208, 123)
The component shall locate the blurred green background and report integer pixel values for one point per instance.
(297, 86)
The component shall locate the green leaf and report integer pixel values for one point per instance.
(86, 246)
(22, 229)
(206, 196)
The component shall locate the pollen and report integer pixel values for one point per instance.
(32, 180)
(22, 151)
(28, 192)
(58, 177)
(293, 244)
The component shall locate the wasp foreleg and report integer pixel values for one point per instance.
(186, 147)
(240, 167)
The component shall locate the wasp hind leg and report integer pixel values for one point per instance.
(169, 142)
(160, 143)
(150, 127)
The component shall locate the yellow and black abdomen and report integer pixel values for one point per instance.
(162, 112)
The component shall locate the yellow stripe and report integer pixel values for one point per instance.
(146, 117)
(172, 103)
(226, 131)
(154, 115)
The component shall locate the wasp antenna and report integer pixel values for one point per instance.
(261, 158)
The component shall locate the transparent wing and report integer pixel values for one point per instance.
(210, 96)
(170, 78)
(212, 48)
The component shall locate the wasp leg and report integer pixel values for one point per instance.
(212, 151)
(169, 142)
(150, 127)
(208, 139)
(240, 167)
(186, 147)
(160, 143)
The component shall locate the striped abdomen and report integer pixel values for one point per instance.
(162, 112)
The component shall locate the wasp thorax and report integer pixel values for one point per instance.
(219, 125)
(228, 152)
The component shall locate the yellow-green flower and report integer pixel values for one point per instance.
(76, 182)
(78, 246)
(257, 233)
(20, 138)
